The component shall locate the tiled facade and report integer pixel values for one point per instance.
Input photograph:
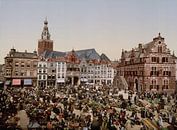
(149, 67)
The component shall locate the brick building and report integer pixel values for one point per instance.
(20, 68)
(149, 67)
(45, 43)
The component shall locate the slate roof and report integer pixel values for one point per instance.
(104, 57)
(53, 54)
(87, 54)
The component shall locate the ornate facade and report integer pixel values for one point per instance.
(149, 67)
(72, 70)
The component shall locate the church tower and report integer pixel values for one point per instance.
(45, 43)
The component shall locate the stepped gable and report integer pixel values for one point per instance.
(142, 49)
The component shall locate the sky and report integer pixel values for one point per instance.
(106, 25)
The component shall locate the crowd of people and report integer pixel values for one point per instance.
(84, 108)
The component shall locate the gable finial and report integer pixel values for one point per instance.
(159, 34)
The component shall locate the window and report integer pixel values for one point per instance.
(165, 84)
(155, 59)
(22, 64)
(34, 64)
(8, 72)
(141, 60)
(53, 77)
(153, 68)
(154, 72)
(153, 84)
(164, 59)
(44, 71)
(39, 70)
(22, 74)
(16, 64)
(28, 65)
(166, 73)
(49, 77)
(159, 49)
(16, 72)
(39, 76)
(44, 77)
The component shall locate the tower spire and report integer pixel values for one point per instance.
(45, 33)
(45, 43)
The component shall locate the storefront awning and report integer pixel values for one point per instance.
(84, 80)
(27, 81)
(60, 80)
(16, 82)
(7, 82)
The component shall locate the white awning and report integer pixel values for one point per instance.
(60, 80)
(84, 80)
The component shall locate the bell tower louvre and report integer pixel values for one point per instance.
(45, 43)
